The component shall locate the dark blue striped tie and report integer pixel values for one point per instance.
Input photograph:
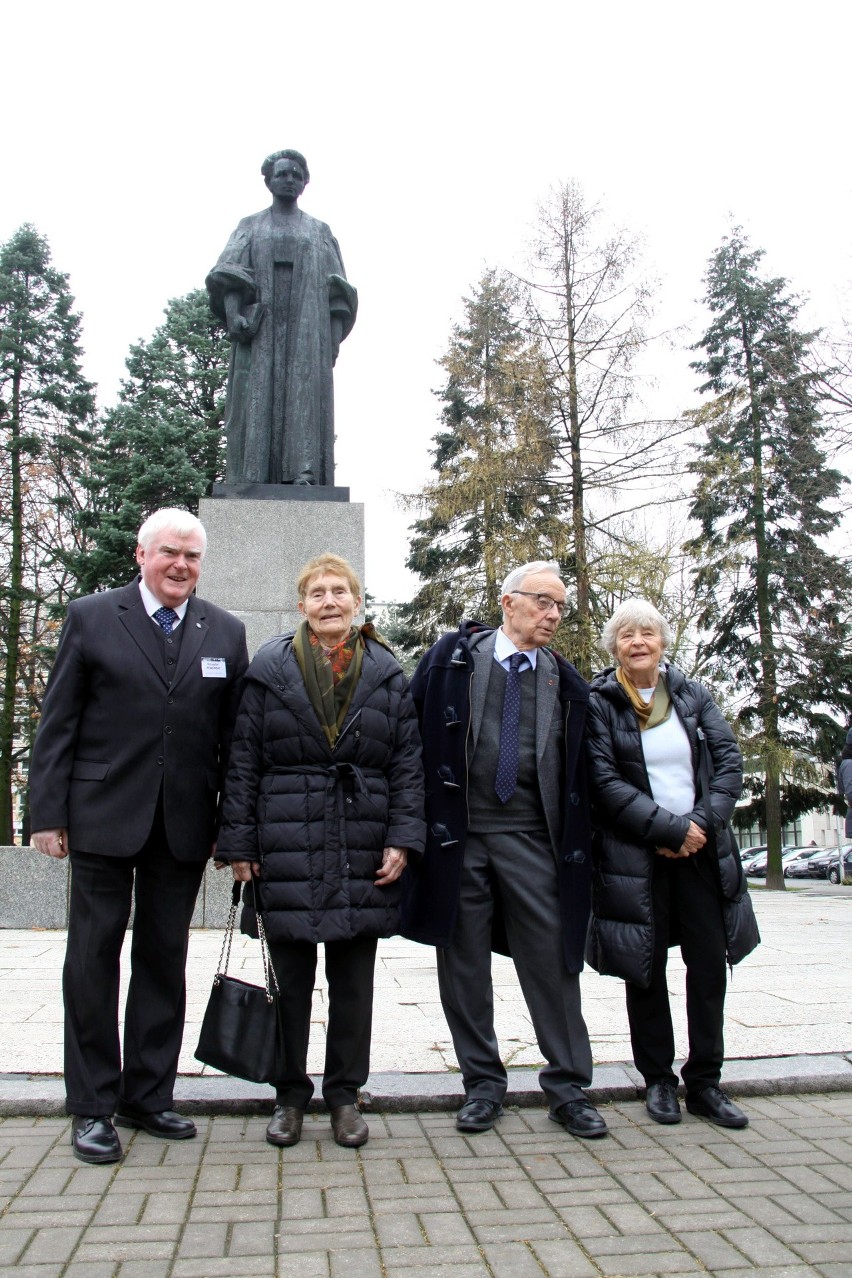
(506, 777)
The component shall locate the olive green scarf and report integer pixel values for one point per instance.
(330, 700)
(649, 713)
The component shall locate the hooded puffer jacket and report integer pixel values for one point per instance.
(318, 819)
(629, 825)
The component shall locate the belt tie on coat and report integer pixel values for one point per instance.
(343, 782)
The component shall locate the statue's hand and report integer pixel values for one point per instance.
(239, 329)
(336, 337)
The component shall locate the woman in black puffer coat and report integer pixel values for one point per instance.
(665, 871)
(323, 804)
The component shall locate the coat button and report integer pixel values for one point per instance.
(160, 762)
(574, 798)
(168, 731)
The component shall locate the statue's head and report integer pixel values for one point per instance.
(297, 158)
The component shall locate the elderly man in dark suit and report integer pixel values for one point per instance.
(507, 863)
(125, 774)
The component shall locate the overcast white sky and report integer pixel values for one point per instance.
(133, 138)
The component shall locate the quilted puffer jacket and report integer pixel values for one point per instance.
(629, 824)
(318, 819)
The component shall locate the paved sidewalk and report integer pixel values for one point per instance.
(788, 1020)
(420, 1200)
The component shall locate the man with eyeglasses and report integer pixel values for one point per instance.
(507, 865)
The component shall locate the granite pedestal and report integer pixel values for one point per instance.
(256, 546)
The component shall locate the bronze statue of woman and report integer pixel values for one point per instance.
(281, 289)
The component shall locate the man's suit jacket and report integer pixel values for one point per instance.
(118, 725)
(548, 723)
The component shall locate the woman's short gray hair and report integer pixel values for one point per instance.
(637, 613)
(515, 579)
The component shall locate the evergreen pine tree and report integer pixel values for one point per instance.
(163, 443)
(46, 409)
(490, 505)
(777, 623)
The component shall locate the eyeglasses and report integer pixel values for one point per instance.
(544, 603)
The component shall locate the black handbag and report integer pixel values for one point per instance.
(241, 1030)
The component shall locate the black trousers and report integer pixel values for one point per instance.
(349, 969)
(102, 889)
(687, 906)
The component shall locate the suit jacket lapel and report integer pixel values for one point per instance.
(546, 692)
(137, 623)
(195, 632)
(483, 660)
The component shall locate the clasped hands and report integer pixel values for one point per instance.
(694, 841)
(393, 863)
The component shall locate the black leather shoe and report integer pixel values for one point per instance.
(95, 1140)
(478, 1115)
(661, 1103)
(712, 1103)
(285, 1125)
(348, 1126)
(580, 1118)
(167, 1124)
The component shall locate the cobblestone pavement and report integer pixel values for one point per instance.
(420, 1200)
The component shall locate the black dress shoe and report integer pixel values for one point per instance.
(661, 1103)
(285, 1125)
(712, 1103)
(478, 1115)
(348, 1126)
(580, 1118)
(95, 1140)
(167, 1124)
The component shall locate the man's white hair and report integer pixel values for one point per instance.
(635, 613)
(515, 579)
(179, 521)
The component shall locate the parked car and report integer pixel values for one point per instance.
(833, 874)
(819, 865)
(795, 863)
(756, 867)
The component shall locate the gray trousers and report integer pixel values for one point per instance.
(522, 870)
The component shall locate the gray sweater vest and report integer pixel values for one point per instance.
(524, 811)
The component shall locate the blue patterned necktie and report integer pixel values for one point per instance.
(165, 619)
(506, 777)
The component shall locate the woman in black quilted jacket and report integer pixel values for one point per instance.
(323, 805)
(666, 869)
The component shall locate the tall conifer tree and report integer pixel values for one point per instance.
(777, 622)
(490, 505)
(46, 409)
(163, 443)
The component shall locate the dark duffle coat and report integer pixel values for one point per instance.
(441, 688)
(629, 824)
(318, 819)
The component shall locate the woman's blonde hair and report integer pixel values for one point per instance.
(327, 563)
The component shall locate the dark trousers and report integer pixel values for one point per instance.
(102, 889)
(521, 868)
(687, 906)
(349, 969)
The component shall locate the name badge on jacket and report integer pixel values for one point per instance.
(213, 668)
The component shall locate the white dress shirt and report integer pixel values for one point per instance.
(152, 603)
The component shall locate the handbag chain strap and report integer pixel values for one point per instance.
(269, 977)
(225, 956)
